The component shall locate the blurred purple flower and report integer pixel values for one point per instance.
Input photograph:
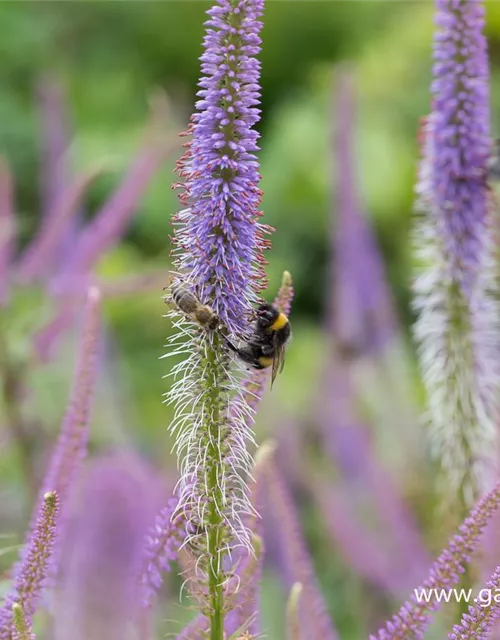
(56, 170)
(218, 244)
(7, 230)
(99, 594)
(478, 621)
(55, 140)
(348, 445)
(457, 327)
(160, 549)
(218, 236)
(414, 616)
(33, 569)
(71, 446)
(361, 314)
(296, 555)
(257, 381)
(37, 260)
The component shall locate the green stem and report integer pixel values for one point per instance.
(215, 578)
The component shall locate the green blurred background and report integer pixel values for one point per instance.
(109, 58)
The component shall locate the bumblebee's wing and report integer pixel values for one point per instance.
(278, 360)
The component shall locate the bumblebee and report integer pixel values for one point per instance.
(189, 304)
(266, 345)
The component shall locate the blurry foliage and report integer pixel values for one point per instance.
(110, 56)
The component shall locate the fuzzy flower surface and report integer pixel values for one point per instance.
(30, 580)
(457, 326)
(219, 238)
(218, 244)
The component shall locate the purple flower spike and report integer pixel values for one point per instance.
(296, 556)
(110, 222)
(71, 446)
(219, 239)
(477, 623)
(457, 327)
(37, 260)
(34, 567)
(362, 314)
(460, 126)
(7, 229)
(161, 548)
(99, 595)
(54, 130)
(413, 618)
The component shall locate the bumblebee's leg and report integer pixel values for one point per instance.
(246, 354)
(268, 350)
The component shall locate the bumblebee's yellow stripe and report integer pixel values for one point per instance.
(265, 362)
(280, 322)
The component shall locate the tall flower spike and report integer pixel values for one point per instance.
(218, 254)
(457, 327)
(298, 561)
(479, 619)
(34, 567)
(362, 314)
(99, 594)
(7, 229)
(413, 618)
(71, 446)
(161, 547)
(22, 630)
(218, 237)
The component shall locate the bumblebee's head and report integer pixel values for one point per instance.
(267, 314)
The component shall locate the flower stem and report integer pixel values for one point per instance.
(215, 579)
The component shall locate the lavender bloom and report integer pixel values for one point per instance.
(34, 566)
(110, 222)
(479, 620)
(361, 313)
(218, 244)
(71, 446)
(98, 595)
(297, 558)
(54, 144)
(35, 263)
(218, 235)
(457, 328)
(160, 549)
(412, 619)
(7, 229)
(347, 443)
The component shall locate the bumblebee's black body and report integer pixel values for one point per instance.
(266, 345)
